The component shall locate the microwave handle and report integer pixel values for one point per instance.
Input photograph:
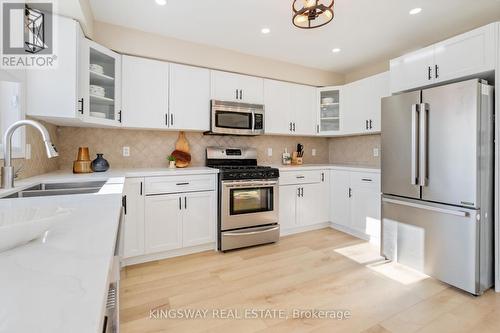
(253, 121)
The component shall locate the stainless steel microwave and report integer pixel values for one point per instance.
(236, 118)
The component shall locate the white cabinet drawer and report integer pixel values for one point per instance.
(177, 184)
(366, 180)
(302, 177)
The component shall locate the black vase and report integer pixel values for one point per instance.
(100, 164)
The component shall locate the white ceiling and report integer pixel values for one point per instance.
(367, 31)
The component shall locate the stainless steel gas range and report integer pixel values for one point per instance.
(248, 198)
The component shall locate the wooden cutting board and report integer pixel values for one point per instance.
(183, 146)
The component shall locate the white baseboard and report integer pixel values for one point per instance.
(355, 233)
(168, 254)
(296, 230)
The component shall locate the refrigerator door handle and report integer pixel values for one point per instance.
(423, 114)
(431, 208)
(414, 144)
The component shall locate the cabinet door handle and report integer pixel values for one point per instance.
(322, 176)
(236, 93)
(366, 124)
(302, 194)
(241, 94)
(120, 116)
(429, 72)
(180, 203)
(124, 204)
(171, 119)
(366, 179)
(371, 124)
(317, 128)
(298, 192)
(181, 184)
(185, 203)
(294, 127)
(290, 126)
(81, 101)
(436, 71)
(141, 189)
(166, 119)
(350, 192)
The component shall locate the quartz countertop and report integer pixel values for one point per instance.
(59, 282)
(347, 167)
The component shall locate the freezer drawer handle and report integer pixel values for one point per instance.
(434, 209)
(250, 232)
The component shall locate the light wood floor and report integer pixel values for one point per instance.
(323, 269)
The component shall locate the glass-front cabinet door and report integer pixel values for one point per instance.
(329, 110)
(100, 84)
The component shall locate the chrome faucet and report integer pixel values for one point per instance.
(7, 169)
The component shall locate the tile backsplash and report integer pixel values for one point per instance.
(355, 150)
(150, 148)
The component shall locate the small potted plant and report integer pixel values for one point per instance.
(171, 161)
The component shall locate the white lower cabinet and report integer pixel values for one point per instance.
(158, 223)
(163, 228)
(133, 228)
(355, 203)
(179, 220)
(303, 204)
(197, 225)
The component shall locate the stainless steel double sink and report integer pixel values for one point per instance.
(50, 189)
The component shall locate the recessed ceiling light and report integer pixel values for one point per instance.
(265, 31)
(415, 11)
(336, 50)
(161, 2)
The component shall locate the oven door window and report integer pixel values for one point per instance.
(236, 120)
(251, 200)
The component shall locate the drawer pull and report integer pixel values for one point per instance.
(301, 177)
(366, 179)
(180, 184)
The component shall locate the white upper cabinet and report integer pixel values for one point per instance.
(189, 98)
(84, 88)
(303, 108)
(329, 108)
(465, 55)
(54, 94)
(100, 84)
(411, 70)
(354, 108)
(278, 107)
(145, 93)
(361, 105)
(290, 108)
(237, 88)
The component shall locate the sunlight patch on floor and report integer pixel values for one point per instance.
(397, 272)
(361, 253)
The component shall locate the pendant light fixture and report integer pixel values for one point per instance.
(309, 14)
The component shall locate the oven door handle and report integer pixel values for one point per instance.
(249, 184)
(250, 232)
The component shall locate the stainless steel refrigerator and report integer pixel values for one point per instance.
(437, 182)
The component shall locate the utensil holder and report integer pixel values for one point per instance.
(296, 160)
